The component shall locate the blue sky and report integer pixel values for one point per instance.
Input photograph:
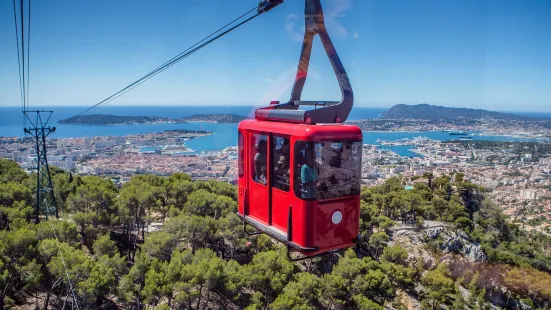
(470, 53)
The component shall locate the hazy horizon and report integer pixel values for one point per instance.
(98, 110)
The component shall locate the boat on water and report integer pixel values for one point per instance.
(458, 133)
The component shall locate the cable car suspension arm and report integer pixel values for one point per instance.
(331, 111)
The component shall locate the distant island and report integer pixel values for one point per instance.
(217, 118)
(433, 112)
(108, 119)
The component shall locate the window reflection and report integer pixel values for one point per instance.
(240, 150)
(328, 169)
(281, 163)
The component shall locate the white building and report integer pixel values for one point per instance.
(60, 144)
(119, 140)
(528, 194)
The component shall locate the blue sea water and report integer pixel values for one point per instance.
(11, 124)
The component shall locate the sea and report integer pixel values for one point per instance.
(12, 122)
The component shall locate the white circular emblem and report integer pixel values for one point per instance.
(336, 217)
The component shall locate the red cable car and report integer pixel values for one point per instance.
(300, 170)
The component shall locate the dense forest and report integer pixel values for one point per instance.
(104, 252)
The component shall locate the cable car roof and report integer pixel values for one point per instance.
(303, 131)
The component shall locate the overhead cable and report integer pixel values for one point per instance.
(23, 53)
(27, 99)
(197, 46)
(18, 55)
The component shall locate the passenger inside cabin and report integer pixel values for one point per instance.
(282, 173)
(349, 165)
(338, 171)
(285, 149)
(329, 155)
(308, 174)
(348, 160)
(260, 162)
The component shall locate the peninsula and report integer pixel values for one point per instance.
(108, 119)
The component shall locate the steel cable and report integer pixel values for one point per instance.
(195, 47)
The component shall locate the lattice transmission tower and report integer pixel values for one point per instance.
(39, 130)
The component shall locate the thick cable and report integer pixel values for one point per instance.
(174, 60)
(28, 56)
(23, 52)
(18, 56)
(165, 67)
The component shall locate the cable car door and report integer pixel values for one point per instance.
(280, 171)
(258, 192)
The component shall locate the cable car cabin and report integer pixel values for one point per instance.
(300, 183)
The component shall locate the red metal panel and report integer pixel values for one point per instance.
(329, 235)
(258, 194)
(303, 131)
(280, 208)
(242, 181)
(311, 220)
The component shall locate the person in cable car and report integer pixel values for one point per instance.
(329, 155)
(260, 162)
(282, 173)
(308, 173)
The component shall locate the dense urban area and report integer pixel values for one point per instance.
(516, 174)
(150, 223)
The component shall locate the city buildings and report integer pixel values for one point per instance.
(518, 180)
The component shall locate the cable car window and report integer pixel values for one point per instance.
(328, 169)
(259, 149)
(241, 154)
(280, 158)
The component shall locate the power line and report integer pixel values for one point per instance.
(18, 56)
(28, 54)
(40, 131)
(179, 57)
(166, 66)
(23, 53)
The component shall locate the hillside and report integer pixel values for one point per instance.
(218, 118)
(107, 119)
(173, 243)
(433, 112)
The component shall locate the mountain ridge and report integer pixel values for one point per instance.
(433, 112)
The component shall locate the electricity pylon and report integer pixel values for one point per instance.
(45, 200)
